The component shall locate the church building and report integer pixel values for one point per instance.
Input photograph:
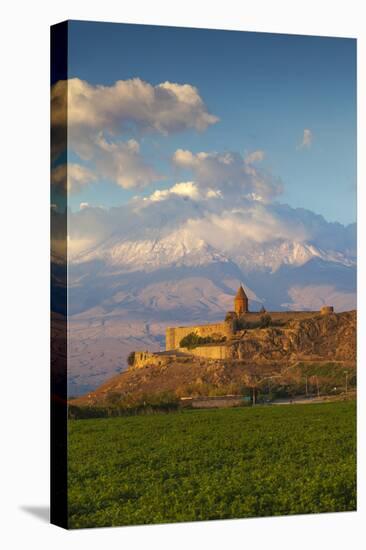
(241, 302)
(224, 329)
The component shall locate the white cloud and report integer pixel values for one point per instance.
(186, 189)
(71, 177)
(166, 107)
(122, 163)
(84, 205)
(307, 139)
(254, 156)
(118, 161)
(184, 159)
(97, 114)
(230, 173)
(253, 222)
(230, 224)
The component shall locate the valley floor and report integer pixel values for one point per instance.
(216, 464)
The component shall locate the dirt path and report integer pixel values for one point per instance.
(307, 400)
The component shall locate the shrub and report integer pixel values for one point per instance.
(131, 358)
(192, 340)
(122, 405)
(265, 320)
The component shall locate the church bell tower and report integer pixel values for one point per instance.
(241, 302)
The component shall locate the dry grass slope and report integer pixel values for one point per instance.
(321, 346)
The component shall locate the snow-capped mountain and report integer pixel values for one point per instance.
(132, 275)
(182, 273)
(183, 248)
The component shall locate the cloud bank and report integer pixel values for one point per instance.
(230, 224)
(71, 177)
(165, 108)
(101, 119)
(224, 199)
(122, 163)
(230, 173)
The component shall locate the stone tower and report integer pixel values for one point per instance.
(241, 302)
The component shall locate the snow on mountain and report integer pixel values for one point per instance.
(160, 273)
(180, 247)
(273, 255)
(183, 248)
(132, 275)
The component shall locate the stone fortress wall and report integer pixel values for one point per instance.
(175, 334)
(144, 358)
(210, 351)
(218, 351)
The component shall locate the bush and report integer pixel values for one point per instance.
(192, 340)
(131, 358)
(265, 320)
(119, 405)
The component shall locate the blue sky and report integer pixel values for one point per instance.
(265, 89)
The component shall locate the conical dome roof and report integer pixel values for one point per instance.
(241, 294)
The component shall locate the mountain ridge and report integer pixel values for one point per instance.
(153, 265)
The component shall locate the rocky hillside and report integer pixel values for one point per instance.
(322, 337)
(321, 346)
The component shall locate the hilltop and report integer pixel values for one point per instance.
(272, 359)
(136, 269)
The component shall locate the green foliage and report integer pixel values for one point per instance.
(131, 358)
(265, 320)
(230, 316)
(330, 377)
(192, 340)
(201, 465)
(126, 405)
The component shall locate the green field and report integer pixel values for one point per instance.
(201, 465)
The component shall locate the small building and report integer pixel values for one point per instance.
(215, 402)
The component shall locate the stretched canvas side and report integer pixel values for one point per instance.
(59, 200)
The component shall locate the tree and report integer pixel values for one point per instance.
(131, 358)
(265, 320)
(252, 380)
(192, 340)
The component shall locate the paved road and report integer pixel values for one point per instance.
(302, 400)
(298, 401)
